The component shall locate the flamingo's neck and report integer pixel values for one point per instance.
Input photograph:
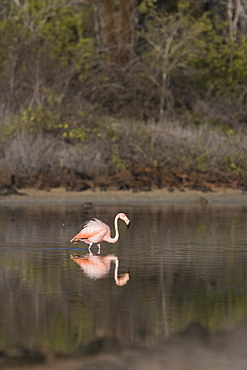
(123, 279)
(116, 270)
(112, 258)
(115, 239)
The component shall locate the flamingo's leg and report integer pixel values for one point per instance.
(89, 249)
(98, 248)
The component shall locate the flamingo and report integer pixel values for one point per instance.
(97, 267)
(96, 231)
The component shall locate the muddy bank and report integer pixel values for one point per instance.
(88, 198)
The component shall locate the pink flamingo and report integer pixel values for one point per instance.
(96, 231)
(97, 267)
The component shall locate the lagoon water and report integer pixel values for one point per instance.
(187, 264)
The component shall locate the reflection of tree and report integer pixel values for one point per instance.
(164, 289)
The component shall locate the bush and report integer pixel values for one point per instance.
(91, 159)
(153, 149)
(30, 155)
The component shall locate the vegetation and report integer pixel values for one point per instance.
(123, 93)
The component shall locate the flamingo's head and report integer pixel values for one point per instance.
(124, 218)
(123, 279)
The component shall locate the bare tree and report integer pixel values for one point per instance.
(171, 39)
(233, 13)
(243, 16)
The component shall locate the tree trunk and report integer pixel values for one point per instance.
(126, 31)
(108, 26)
(118, 29)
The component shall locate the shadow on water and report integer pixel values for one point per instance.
(178, 275)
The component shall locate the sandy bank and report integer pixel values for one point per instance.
(60, 196)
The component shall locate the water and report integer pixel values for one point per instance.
(186, 263)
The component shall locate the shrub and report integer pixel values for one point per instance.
(29, 155)
(89, 159)
(153, 149)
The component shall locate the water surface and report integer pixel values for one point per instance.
(186, 263)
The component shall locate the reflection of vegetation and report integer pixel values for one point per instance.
(186, 266)
(216, 306)
(39, 307)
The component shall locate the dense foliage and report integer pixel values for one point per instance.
(68, 72)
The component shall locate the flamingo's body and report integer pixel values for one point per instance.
(96, 231)
(97, 267)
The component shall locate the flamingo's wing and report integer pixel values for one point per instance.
(93, 230)
(93, 266)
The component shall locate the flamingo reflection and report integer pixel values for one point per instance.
(97, 267)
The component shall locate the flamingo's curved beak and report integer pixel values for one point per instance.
(125, 219)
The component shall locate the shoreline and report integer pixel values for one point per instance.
(87, 198)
